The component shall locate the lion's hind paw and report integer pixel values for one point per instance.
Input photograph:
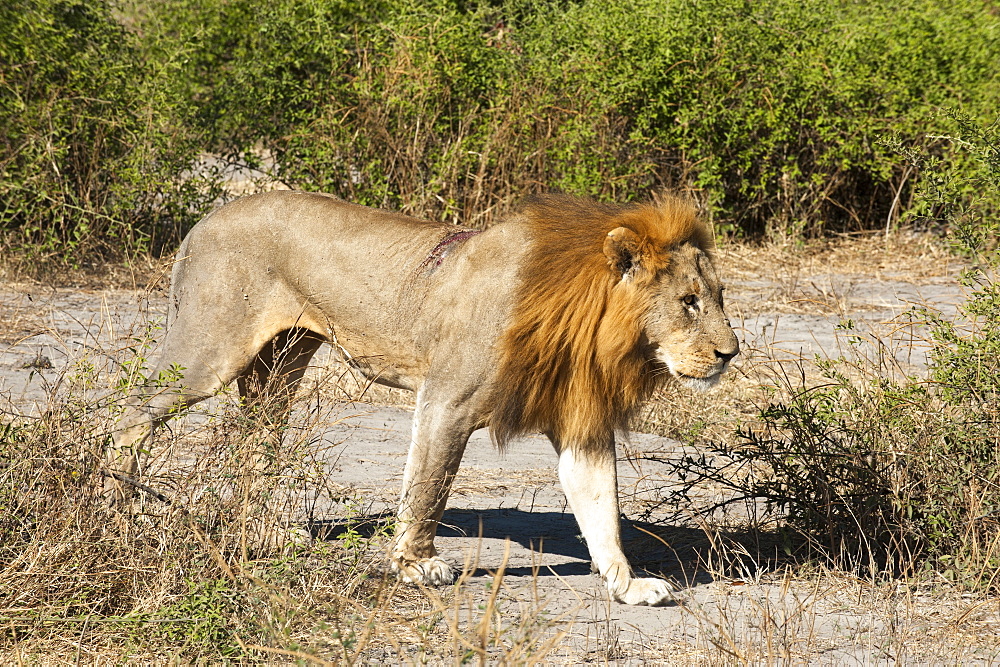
(427, 571)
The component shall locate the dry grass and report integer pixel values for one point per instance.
(21, 321)
(228, 568)
(918, 257)
(788, 617)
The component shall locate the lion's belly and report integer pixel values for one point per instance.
(377, 358)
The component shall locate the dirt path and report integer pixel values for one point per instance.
(509, 508)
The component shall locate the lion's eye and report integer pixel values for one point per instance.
(690, 300)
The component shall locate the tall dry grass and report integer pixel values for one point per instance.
(232, 548)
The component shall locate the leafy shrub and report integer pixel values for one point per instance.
(93, 160)
(258, 70)
(897, 473)
(209, 570)
(773, 107)
(450, 109)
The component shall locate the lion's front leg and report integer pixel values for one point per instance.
(122, 457)
(590, 481)
(436, 451)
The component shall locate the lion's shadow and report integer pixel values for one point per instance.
(687, 555)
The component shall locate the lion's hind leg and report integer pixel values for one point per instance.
(181, 378)
(204, 350)
(268, 385)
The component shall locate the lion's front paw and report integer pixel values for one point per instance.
(652, 592)
(427, 571)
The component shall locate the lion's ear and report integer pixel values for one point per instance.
(623, 249)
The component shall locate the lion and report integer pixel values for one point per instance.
(561, 320)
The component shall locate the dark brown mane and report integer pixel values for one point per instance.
(571, 364)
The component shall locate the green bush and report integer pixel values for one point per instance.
(897, 474)
(451, 109)
(258, 70)
(93, 158)
(773, 107)
(767, 111)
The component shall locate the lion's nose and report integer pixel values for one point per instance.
(727, 356)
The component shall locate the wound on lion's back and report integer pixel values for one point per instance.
(437, 255)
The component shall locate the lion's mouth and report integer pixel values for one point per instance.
(703, 383)
(699, 382)
(685, 376)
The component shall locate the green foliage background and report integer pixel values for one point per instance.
(93, 156)
(769, 111)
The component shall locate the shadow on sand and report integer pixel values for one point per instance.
(688, 555)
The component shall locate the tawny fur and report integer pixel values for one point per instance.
(559, 320)
(572, 361)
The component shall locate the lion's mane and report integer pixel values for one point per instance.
(571, 362)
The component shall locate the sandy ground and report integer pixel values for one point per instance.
(513, 501)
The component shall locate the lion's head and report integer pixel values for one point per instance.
(612, 300)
